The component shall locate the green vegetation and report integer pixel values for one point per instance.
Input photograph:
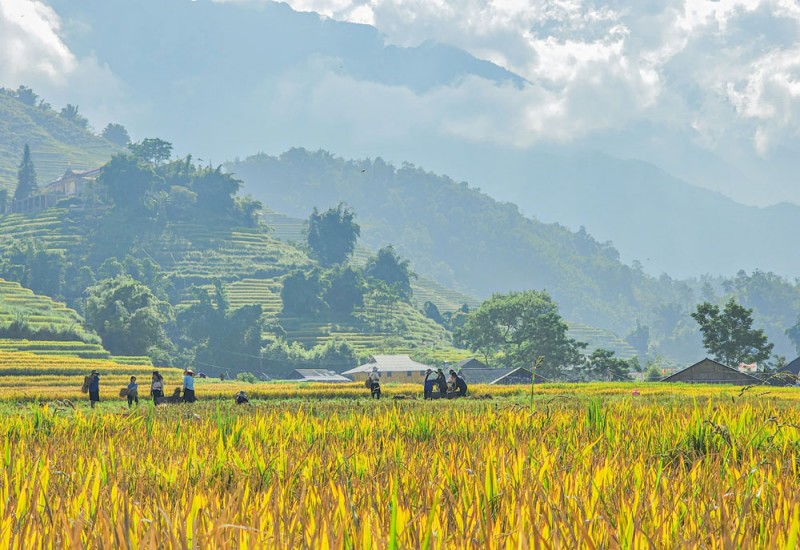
(729, 336)
(55, 142)
(522, 327)
(464, 239)
(26, 177)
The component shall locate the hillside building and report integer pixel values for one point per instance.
(73, 183)
(709, 371)
(392, 368)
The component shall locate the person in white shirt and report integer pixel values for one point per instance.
(375, 383)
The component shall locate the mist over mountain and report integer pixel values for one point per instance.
(615, 116)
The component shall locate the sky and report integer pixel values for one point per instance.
(724, 74)
(727, 66)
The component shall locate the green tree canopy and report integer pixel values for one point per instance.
(302, 293)
(387, 266)
(729, 336)
(152, 150)
(128, 316)
(128, 182)
(602, 365)
(116, 133)
(26, 177)
(345, 290)
(332, 235)
(220, 338)
(522, 326)
(70, 113)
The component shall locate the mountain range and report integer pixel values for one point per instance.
(228, 79)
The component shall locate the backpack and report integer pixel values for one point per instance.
(86, 381)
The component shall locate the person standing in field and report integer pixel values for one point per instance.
(188, 386)
(441, 383)
(157, 387)
(430, 380)
(133, 392)
(374, 380)
(94, 388)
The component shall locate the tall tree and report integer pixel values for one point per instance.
(152, 150)
(345, 290)
(302, 293)
(128, 182)
(70, 113)
(219, 337)
(729, 336)
(116, 133)
(387, 266)
(522, 326)
(26, 177)
(26, 95)
(332, 235)
(602, 365)
(127, 316)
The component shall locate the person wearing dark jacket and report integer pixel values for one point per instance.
(441, 383)
(459, 386)
(94, 388)
(430, 380)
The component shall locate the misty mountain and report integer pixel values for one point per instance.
(666, 224)
(228, 79)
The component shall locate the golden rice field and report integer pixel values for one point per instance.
(587, 466)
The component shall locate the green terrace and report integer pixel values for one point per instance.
(195, 251)
(16, 301)
(69, 349)
(600, 338)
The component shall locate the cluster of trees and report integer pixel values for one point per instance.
(145, 184)
(523, 329)
(113, 132)
(339, 288)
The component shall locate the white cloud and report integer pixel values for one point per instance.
(30, 47)
(32, 53)
(718, 67)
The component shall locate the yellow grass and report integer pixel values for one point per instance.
(590, 466)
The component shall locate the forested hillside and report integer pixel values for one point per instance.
(56, 142)
(465, 239)
(460, 236)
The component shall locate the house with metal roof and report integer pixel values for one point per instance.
(503, 376)
(316, 375)
(392, 368)
(709, 371)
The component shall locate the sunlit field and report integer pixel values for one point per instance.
(324, 466)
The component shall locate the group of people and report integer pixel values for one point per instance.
(446, 387)
(92, 385)
(436, 386)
